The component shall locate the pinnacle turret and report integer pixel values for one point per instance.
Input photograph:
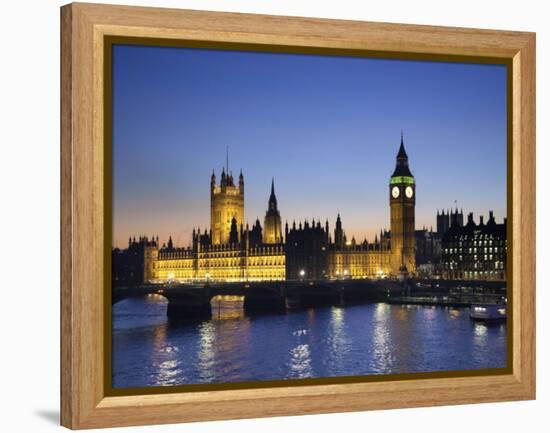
(402, 162)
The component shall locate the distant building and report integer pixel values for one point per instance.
(128, 265)
(306, 251)
(402, 214)
(272, 222)
(429, 244)
(446, 220)
(475, 251)
(226, 204)
(311, 254)
(443, 222)
(428, 252)
(232, 251)
(457, 218)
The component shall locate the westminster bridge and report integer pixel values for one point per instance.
(187, 301)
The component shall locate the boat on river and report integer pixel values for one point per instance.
(488, 312)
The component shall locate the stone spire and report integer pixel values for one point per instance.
(402, 162)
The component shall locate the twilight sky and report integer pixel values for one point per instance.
(326, 128)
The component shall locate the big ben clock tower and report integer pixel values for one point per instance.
(402, 202)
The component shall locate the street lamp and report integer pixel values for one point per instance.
(302, 273)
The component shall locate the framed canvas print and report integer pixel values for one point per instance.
(270, 216)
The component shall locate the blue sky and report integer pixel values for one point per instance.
(326, 128)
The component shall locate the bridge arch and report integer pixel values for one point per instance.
(120, 294)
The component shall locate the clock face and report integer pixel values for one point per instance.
(409, 192)
(395, 192)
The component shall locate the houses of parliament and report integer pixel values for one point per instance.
(231, 250)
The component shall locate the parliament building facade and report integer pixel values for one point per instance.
(231, 250)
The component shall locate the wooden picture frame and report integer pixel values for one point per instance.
(84, 212)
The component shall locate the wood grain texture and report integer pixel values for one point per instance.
(67, 385)
(524, 215)
(84, 26)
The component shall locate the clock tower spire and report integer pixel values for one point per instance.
(402, 209)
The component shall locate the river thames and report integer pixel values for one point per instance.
(353, 340)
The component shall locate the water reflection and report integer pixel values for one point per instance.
(337, 341)
(227, 307)
(165, 358)
(207, 353)
(300, 362)
(454, 313)
(382, 351)
(480, 332)
(169, 373)
(347, 341)
(311, 316)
